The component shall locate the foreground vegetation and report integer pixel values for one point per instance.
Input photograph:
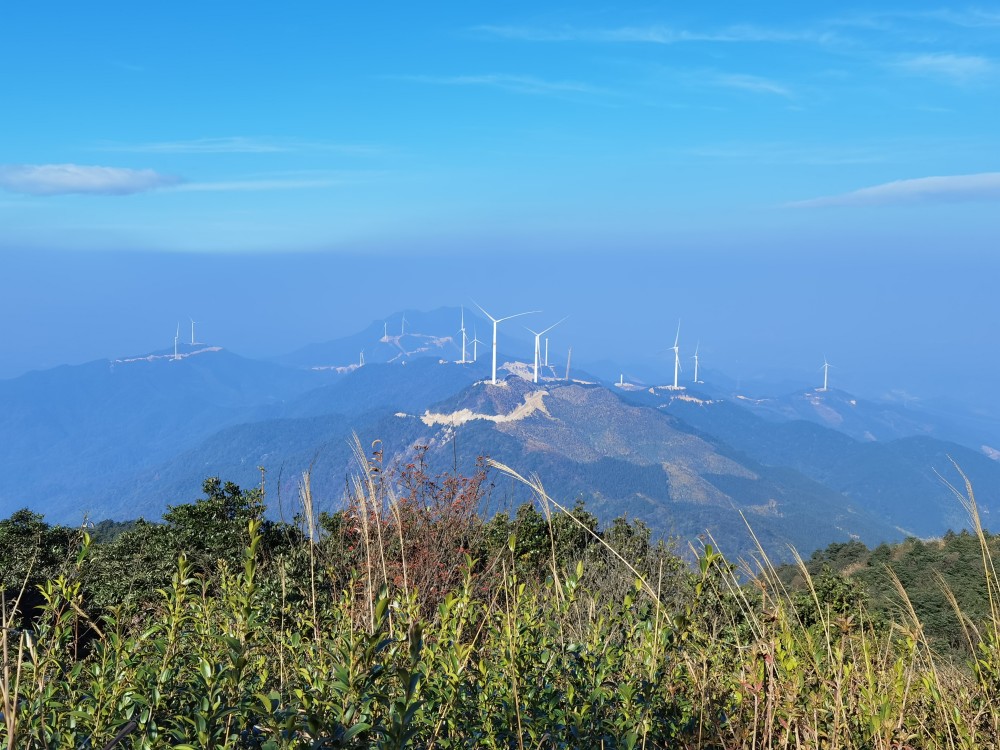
(407, 620)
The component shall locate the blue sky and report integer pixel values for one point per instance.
(755, 146)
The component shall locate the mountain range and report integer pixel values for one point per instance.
(124, 438)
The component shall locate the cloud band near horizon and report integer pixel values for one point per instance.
(67, 179)
(950, 188)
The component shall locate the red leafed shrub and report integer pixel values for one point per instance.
(411, 528)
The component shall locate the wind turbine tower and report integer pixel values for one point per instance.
(361, 359)
(677, 356)
(569, 356)
(546, 351)
(193, 342)
(826, 375)
(696, 346)
(475, 345)
(538, 336)
(465, 338)
(177, 337)
(402, 326)
(495, 322)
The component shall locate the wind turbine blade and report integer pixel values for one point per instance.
(552, 326)
(484, 312)
(517, 315)
(677, 338)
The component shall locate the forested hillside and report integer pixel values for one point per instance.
(943, 579)
(408, 619)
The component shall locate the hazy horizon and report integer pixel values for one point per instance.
(791, 182)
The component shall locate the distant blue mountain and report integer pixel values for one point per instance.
(125, 438)
(684, 470)
(901, 480)
(65, 432)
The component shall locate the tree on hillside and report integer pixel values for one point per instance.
(214, 527)
(32, 549)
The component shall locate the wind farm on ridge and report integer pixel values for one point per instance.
(533, 370)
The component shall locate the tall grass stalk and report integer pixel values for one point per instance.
(539, 491)
(306, 499)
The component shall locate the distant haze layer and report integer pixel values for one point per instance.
(910, 327)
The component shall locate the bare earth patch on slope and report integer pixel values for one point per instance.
(533, 402)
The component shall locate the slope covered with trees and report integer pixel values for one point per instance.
(408, 619)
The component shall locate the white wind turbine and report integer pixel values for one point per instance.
(538, 336)
(475, 345)
(193, 342)
(495, 322)
(826, 374)
(695, 358)
(177, 337)
(677, 355)
(402, 327)
(361, 359)
(465, 338)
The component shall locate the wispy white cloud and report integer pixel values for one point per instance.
(237, 145)
(754, 84)
(984, 186)
(259, 185)
(515, 83)
(655, 34)
(789, 153)
(955, 68)
(233, 145)
(926, 33)
(969, 18)
(62, 179)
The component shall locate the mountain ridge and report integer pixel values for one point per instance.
(132, 435)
